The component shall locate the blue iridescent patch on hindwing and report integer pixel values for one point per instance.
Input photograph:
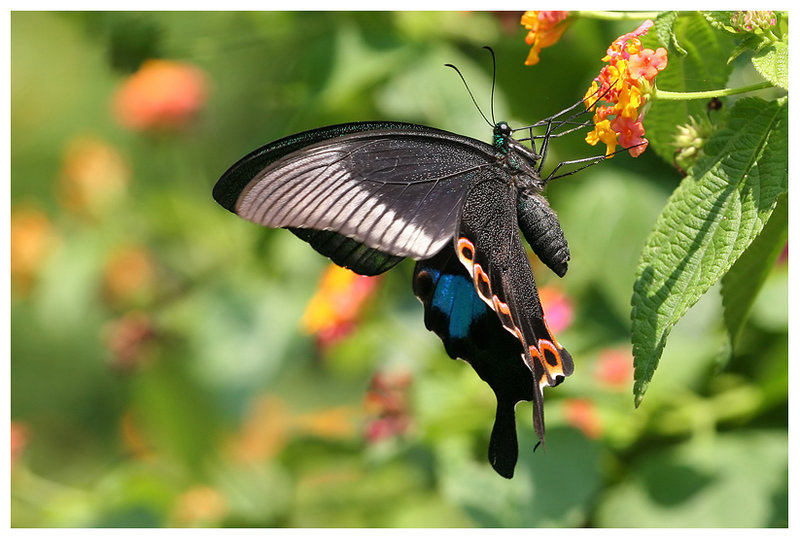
(471, 331)
(455, 296)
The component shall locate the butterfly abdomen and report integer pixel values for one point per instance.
(542, 231)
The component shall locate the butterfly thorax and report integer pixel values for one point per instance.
(519, 160)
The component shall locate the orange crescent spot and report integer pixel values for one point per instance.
(558, 369)
(466, 253)
(482, 285)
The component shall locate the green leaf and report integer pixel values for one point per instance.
(708, 484)
(664, 31)
(741, 284)
(750, 43)
(721, 20)
(707, 224)
(772, 62)
(701, 66)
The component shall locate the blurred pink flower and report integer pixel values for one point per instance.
(557, 308)
(163, 94)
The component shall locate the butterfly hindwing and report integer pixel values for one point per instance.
(470, 330)
(490, 248)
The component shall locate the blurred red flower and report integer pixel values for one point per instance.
(614, 368)
(332, 312)
(582, 414)
(387, 404)
(163, 94)
(128, 338)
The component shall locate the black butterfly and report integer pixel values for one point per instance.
(368, 194)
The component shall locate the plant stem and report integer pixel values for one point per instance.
(617, 15)
(666, 95)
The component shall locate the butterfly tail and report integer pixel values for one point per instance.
(503, 450)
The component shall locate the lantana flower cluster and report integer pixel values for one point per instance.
(751, 21)
(618, 96)
(544, 29)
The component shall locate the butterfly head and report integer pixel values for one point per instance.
(502, 133)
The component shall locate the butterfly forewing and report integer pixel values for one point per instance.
(396, 192)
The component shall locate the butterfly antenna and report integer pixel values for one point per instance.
(470, 92)
(494, 77)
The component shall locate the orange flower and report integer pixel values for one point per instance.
(335, 307)
(544, 29)
(130, 276)
(200, 506)
(94, 177)
(619, 93)
(648, 63)
(33, 237)
(163, 94)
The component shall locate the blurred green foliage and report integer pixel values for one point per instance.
(160, 376)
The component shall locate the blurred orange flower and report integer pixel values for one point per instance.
(133, 437)
(20, 436)
(94, 177)
(582, 414)
(265, 431)
(199, 506)
(33, 238)
(163, 94)
(129, 277)
(331, 423)
(334, 309)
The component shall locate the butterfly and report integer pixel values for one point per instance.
(370, 194)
